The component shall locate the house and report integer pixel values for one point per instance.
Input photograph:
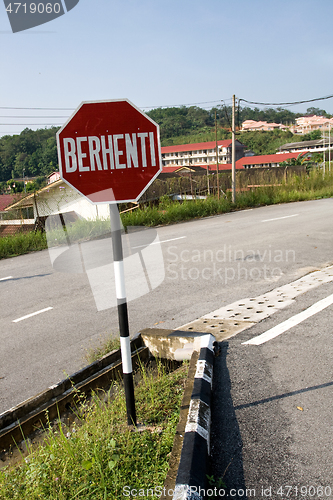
(10, 227)
(5, 201)
(199, 169)
(306, 124)
(252, 125)
(265, 161)
(55, 176)
(202, 153)
(315, 146)
(58, 197)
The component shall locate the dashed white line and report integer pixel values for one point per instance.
(173, 239)
(289, 323)
(279, 218)
(32, 314)
(6, 278)
(161, 241)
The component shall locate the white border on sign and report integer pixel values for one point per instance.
(158, 142)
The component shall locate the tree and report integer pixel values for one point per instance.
(15, 186)
(311, 136)
(303, 158)
(316, 111)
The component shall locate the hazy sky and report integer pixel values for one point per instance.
(167, 52)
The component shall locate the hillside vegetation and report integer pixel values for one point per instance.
(34, 153)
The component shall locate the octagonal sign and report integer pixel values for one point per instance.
(109, 151)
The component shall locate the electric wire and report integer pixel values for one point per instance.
(222, 103)
(31, 124)
(26, 116)
(44, 109)
(287, 103)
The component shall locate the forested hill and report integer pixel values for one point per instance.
(178, 122)
(34, 153)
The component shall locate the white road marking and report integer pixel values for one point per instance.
(164, 241)
(7, 278)
(289, 323)
(32, 314)
(279, 218)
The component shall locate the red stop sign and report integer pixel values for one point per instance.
(109, 151)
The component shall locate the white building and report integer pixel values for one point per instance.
(57, 197)
(306, 124)
(203, 153)
(252, 125)
(315, 146)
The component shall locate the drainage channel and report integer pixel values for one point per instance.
(229, 320)
(31, 415)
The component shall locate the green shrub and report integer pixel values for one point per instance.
(96, 458)
(22, 243)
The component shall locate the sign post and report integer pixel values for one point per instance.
(125, 346)
(109, 151)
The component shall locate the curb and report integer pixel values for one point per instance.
(192, 468)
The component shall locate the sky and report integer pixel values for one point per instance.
(166, 53)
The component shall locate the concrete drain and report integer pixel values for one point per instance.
(220, 329)
(233, 318)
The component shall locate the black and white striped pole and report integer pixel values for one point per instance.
(125, 346)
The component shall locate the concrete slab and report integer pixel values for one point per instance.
(165, 343)
(221, 328)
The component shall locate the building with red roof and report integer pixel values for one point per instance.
(8, 199)
(265, 161)
(200, 153)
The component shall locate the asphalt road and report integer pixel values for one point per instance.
(208, 263)
(272, 424)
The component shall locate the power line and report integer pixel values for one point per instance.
(45, 109)
(287, 103)
(32, 124)
(179, 105)
(190, 104)
(26, 116)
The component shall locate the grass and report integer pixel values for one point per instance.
(19, 244)
(274, 190)
(78, 231)
(297, 188)
(105, 347)
(97, 458)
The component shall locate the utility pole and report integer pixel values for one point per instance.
(233, 152)
(329, 146)
(217, 160)
(208, 187)
(324, 153)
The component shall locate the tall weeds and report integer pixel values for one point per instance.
(275, 186)
(96, 458)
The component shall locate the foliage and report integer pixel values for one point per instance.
(180, 121)
(15, 186)
(35, 152)
(317, 111)
(22, 243)
(80, 230)
(301, 159)
(105, 347)
(266, 142)
(276, 188)
(305, 186)
(278, 115)
(311, 136)
(96, 458)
